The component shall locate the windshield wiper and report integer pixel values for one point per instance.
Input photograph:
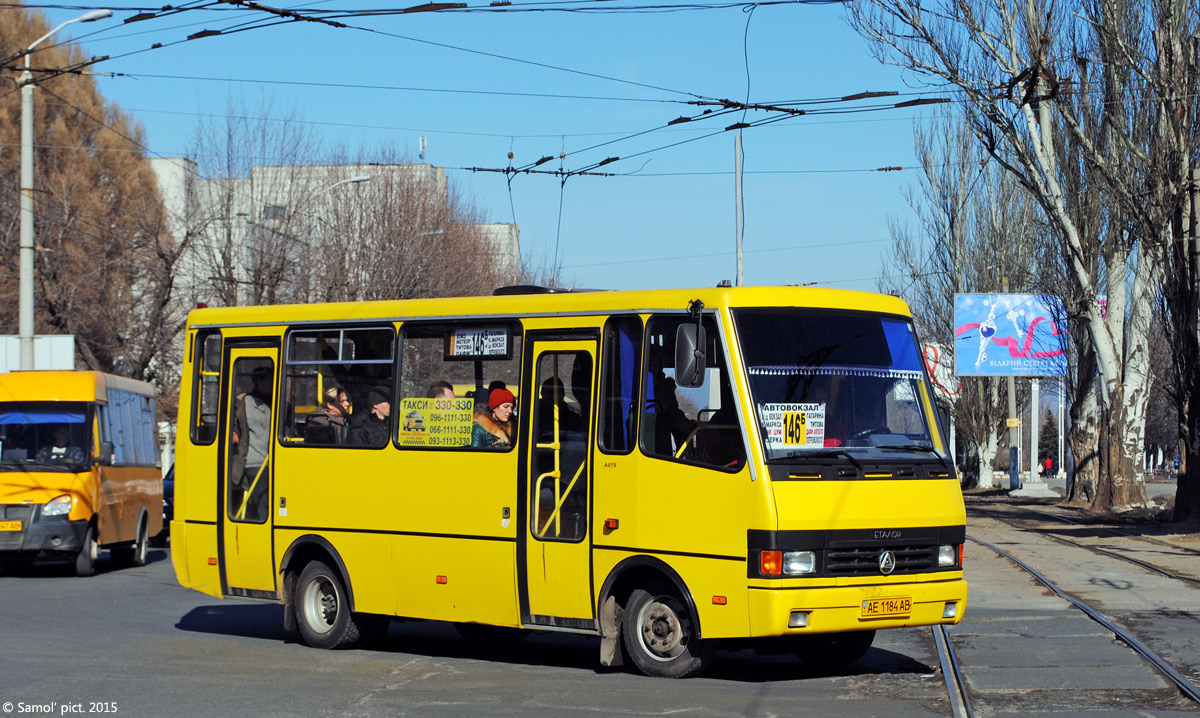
(825, 454)
(916, 447)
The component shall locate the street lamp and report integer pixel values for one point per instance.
(351, 180)
(25, 308)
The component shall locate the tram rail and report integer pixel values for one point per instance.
(1100, 550)
(1117, 532)
(1185, 686)
(956, 687)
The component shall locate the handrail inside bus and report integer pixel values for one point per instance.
(559, 500)
(241, 514)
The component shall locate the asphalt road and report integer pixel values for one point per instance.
(133, 641)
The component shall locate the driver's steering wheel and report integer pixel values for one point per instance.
(869, 432)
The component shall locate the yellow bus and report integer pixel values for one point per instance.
(668, 470)
(79, 468)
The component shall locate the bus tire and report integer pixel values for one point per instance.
(834, 650)
(85, 560)
(660, 635)
(323, 610)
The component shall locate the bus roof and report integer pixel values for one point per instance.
(66, 386)
(543, 304)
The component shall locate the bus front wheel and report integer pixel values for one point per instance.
(323, 611)
(85, 560)
(661, 637)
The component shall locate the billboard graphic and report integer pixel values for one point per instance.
(1009, 335)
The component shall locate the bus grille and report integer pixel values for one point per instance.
(12, 540)
(865, 561)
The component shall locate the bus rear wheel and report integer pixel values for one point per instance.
(660, 635)
(834, 650)
(323, 611)
(134, 555)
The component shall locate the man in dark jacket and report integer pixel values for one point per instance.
(327, 425)
(370, 427)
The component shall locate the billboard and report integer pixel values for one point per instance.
(1009, 335)
(50, 351)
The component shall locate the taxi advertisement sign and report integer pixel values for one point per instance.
(435, 422)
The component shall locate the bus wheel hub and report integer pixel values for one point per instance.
(661, 629)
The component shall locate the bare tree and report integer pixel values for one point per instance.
(248, 218)
(285, 221)
(1129, 121)
(106, 263)
(974, 227)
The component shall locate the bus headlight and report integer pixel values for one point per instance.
(799, 563)
(58, 506)
(947, 555)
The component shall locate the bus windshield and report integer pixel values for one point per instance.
(823, 381)
(43, 436)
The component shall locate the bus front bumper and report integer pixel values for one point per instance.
(793, 612)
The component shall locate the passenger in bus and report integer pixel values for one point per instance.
(327, 425)
(441, 390)
(370, 427)
(494, 426)
(553, 392)
(481, 395)
(251, 439)
(61, 451)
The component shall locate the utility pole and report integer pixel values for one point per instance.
(25, 257)
(1035, 421)
(737, 173)
(1014, 430)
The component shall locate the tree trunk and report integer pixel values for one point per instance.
(1187, 486)
(987, 454)
(1084, 438)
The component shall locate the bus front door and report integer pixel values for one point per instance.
(556, 413)
(247, 555)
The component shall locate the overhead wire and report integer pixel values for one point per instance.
(744, 108)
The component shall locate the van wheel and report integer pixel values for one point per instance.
(323, 611)
(85, 560)
(134, 555)
(834, 650)
(660, 635)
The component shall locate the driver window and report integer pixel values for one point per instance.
(692, 425)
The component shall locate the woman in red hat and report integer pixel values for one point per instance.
(494, 427)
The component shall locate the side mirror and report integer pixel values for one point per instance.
(689, 355)
(106, 453)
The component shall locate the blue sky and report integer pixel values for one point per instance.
(812, 215)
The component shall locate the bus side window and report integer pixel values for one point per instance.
(206, 387)
(620, 384)
(324, 366)
(692, 425)
(429, 418)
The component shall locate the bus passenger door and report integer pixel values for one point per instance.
(556, 423)
(247, 555)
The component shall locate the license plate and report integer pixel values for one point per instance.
(882, 607)
(10, 525)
